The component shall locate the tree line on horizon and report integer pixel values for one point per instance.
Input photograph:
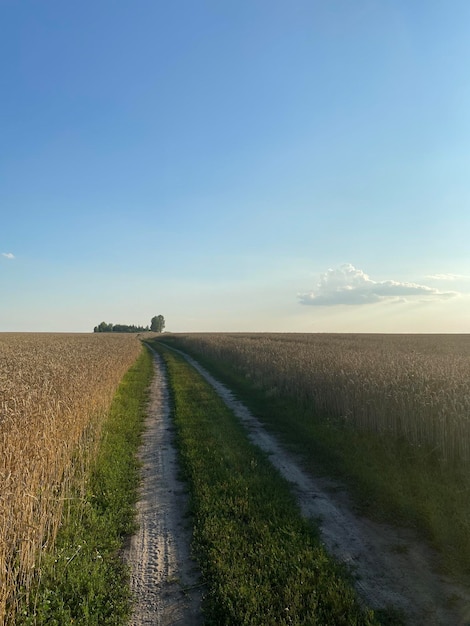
(157, 324)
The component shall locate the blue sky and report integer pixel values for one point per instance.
(235, 166)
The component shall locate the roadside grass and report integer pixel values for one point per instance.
(389, 479)
(84, 581)
(262, 563)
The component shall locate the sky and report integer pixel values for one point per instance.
(246, 165)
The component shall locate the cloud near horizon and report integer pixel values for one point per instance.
(8, 255)
(349, 285)
(450, 277)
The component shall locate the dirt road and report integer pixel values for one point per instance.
(392, 567)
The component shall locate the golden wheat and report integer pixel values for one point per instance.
(411, 386)
(54, 391)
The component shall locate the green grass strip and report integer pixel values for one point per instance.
(84, 580)
(261, 561)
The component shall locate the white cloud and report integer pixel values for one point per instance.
(449, 277)
(8, 255)
(349, 285)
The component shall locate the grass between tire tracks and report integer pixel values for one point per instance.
(83, 581)
(262, 563)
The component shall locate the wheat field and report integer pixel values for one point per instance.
(415, 387)
(54, 392)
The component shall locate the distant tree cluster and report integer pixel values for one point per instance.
(157, 324)
(119, 328)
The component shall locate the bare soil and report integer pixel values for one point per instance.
(392, 567)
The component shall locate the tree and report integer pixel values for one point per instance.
(157, 324)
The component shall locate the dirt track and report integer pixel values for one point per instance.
(392, 567)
